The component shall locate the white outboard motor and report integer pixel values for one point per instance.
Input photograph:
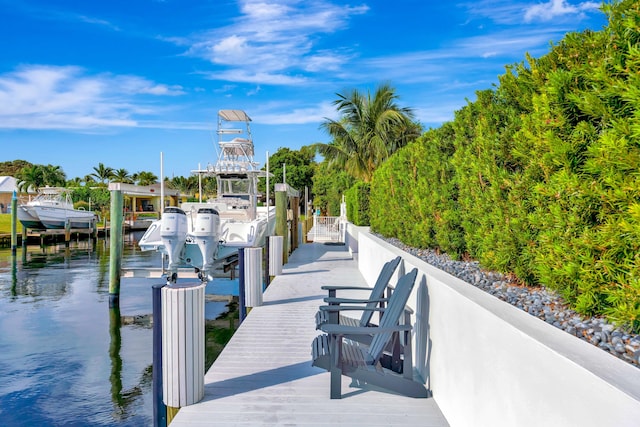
(173, 232)
(206, 234)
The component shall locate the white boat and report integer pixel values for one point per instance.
(204, 234)
(53, 208)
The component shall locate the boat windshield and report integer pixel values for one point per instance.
(235, 186)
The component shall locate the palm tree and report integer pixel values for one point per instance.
(369, 130)
(102, 173)
(122, 175)
(30, 178)
(53, 176)
(89, 179)
(209, 185)
(186, 186)
(145, 178)
(75, 182)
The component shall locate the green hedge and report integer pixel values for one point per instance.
(540, 177)
(357, 200)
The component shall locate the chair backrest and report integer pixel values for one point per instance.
(378, 290)
(392, 313)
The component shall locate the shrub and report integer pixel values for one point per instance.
(357, 200)
(539, 176)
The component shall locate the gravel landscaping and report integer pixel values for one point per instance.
(537, 301)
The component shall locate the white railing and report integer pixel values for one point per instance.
(327, 229)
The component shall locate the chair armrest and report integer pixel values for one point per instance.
(338, 288)
(333, 329)
(348, 308)
(331, 300)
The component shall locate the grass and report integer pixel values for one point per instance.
(218, 333)
(5, 224)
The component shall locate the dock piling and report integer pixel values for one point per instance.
(67, 232)
(242, 308)
(115, 253)
(159, 408)
(267, 277)
(183, 342)
(275, 255)
(253, 276)
(281, 222)
(14, 223)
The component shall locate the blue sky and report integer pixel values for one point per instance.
(118, 82)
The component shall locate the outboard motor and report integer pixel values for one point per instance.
(173, 232)
(206, 234)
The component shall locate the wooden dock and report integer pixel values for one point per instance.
(264, 375)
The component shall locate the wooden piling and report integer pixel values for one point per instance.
(115, 253)
(281, 222)
(67, 232)
(295, 208)
(267, 277)
(14, 223)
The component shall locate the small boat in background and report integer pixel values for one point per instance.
(52, 208)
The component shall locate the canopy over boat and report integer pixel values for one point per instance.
(234, 115)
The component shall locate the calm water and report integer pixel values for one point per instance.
(65, 357)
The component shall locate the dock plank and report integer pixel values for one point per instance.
(264, 375)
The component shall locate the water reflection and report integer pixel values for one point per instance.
(45, 273)
(122, 400)
(65, 357)
(14, 275)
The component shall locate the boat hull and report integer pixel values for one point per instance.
(57, 218)
(29, 219)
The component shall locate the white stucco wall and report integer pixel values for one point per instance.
(351, 237)
(488, 363)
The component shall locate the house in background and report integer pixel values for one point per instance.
(142, 203)
(7, 187)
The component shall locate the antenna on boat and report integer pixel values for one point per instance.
(161, 182)
(199, 184)
(268, 184)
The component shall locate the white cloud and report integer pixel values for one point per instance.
(555, 8)
(54, 97)
(248, 76)
(137, 85)
(460, 59)
(508, 12)
(325, 61)
(505, 12)
(96, 21)
(506, 43)
(296, 116)
(278, 37)
(254, 91)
